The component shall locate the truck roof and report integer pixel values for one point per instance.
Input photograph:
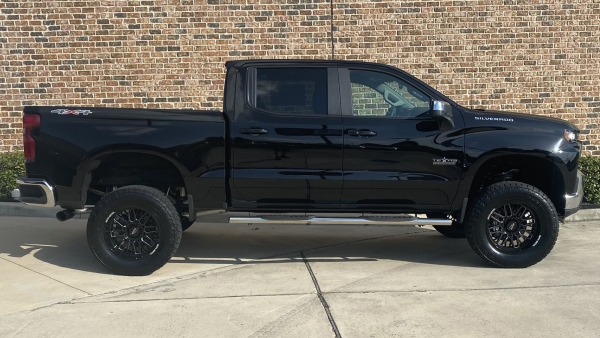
(323, 62)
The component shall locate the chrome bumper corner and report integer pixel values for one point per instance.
(36, 192)
(573, 201)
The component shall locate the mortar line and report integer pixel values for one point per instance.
(331, 20)
(321, 297)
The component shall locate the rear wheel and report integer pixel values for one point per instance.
(134, 230)
(512, 225)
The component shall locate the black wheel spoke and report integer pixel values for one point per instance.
(144, 218)
(130, 218)
(137, 247)
(120, 221)
(521, 211)
(151, 229)
(148, 241)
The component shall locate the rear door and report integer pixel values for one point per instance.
(287, 149)
(396, 158)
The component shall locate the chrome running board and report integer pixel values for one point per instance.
(312, 220)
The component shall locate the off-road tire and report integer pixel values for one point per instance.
(158, 220)
(485, 233)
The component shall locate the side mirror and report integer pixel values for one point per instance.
(442, 111)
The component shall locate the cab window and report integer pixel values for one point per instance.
(376, 94)
(297, 91)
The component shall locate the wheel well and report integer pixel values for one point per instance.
(122, 169)
(538, 172)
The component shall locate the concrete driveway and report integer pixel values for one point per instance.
(295, 281)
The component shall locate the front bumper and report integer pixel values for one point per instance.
(573, 200)
(36, 192)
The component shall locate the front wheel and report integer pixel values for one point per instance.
(134, 230)
(512, 225)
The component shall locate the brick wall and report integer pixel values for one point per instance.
(533, 56)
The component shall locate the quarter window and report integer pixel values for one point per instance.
(299, 91)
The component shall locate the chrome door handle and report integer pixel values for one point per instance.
(361, 133)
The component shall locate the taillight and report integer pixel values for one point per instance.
(29, 122)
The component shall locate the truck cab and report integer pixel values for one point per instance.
(328, 136)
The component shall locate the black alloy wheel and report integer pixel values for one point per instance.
(134, 230)
(512, 225)
(513, 228)
(132, 234)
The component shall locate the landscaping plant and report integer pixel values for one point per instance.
(12, 165)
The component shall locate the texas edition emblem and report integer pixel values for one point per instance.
(71, 111)
(444, 161)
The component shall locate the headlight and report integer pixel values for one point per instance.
(570, 136)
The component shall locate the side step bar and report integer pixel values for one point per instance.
(311, 220)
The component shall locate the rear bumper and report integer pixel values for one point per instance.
(573, 200)
(36, 192)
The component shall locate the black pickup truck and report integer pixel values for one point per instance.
(305, 142)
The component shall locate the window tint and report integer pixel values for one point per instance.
(300, 91)
(377, 94)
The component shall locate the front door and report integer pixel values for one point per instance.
(287, 139)
(396, 158)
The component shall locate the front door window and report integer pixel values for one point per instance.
(377, 94)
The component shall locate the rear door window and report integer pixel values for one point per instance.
(296, 91)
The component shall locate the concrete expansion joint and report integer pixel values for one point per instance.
(334, 327)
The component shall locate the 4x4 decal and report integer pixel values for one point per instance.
(71, 111)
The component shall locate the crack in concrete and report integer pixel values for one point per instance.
(469, 290)
(73, 302)
(39, 273)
